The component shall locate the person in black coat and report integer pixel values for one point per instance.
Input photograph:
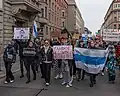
(47, 59)
(9, 57)
(22, 44)
(38, 54)
(93, 76)
(30, 54)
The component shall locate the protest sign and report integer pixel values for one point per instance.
(21, 33)
(111, 35)
(62, 52)
(76, 36)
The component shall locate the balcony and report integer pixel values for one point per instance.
(32, 6)
(43, 20)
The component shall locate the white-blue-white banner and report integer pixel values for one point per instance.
(91, 60)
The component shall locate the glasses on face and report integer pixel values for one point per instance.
(46, 42)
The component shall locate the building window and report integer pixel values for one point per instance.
(55, 19)
(115, 19)
(45, 12)
(42, 12)
(52, 5)
(50, 29)
(115, 26)
(55, 8)
(49, 3)
(46, 30)
(118, 5)
(46, 1)
(63, 24)
(119, 18)
(119, 26)
(63, 14)
(49, 17)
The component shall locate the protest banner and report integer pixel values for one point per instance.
(111, 35)
(90, 60)
(21, 33)
(76, 36)
(63, 52)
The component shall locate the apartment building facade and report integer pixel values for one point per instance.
(57, 16)
(75, 20)
(51, 16)
(112, 17)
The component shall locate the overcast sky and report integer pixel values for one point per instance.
(93, 12)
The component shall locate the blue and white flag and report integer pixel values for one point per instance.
(35, 33)
(91, 60)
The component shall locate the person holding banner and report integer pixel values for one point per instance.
(58, 62)
(93, 76)
(80, 72)
(47, 59)
(30, 53)
(67, 80)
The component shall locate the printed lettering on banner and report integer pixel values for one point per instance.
(21, 33)
(62, 52)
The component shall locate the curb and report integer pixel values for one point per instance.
(2, 76)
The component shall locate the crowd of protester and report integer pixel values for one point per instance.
(38, 55)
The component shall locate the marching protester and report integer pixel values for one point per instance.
(58, 63)
(30, 52)
(93, 76)
(111, 64)
(47, 59)
(22, 44)
(66, 68)
(40, 58)
(80, 72)
(38, 54)
(9, 58)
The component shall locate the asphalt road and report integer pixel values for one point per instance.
(37, 88)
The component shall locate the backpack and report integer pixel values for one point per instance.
(9, 55)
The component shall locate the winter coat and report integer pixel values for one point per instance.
(9, 54)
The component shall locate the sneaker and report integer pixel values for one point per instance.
(57, 77)
(34, 78)
(102, 74)
(63, 83)
(70, 84)
(21, 76)
(61, 76)
(27, 82)
(47, 84)
(11, 81)
(91, 85)
(94, 82)
(71, 80)
(67, 86)
(6, 82)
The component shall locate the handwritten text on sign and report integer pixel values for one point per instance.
(111, 35)
(62, 52)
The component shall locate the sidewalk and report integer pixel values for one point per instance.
(15, 67)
